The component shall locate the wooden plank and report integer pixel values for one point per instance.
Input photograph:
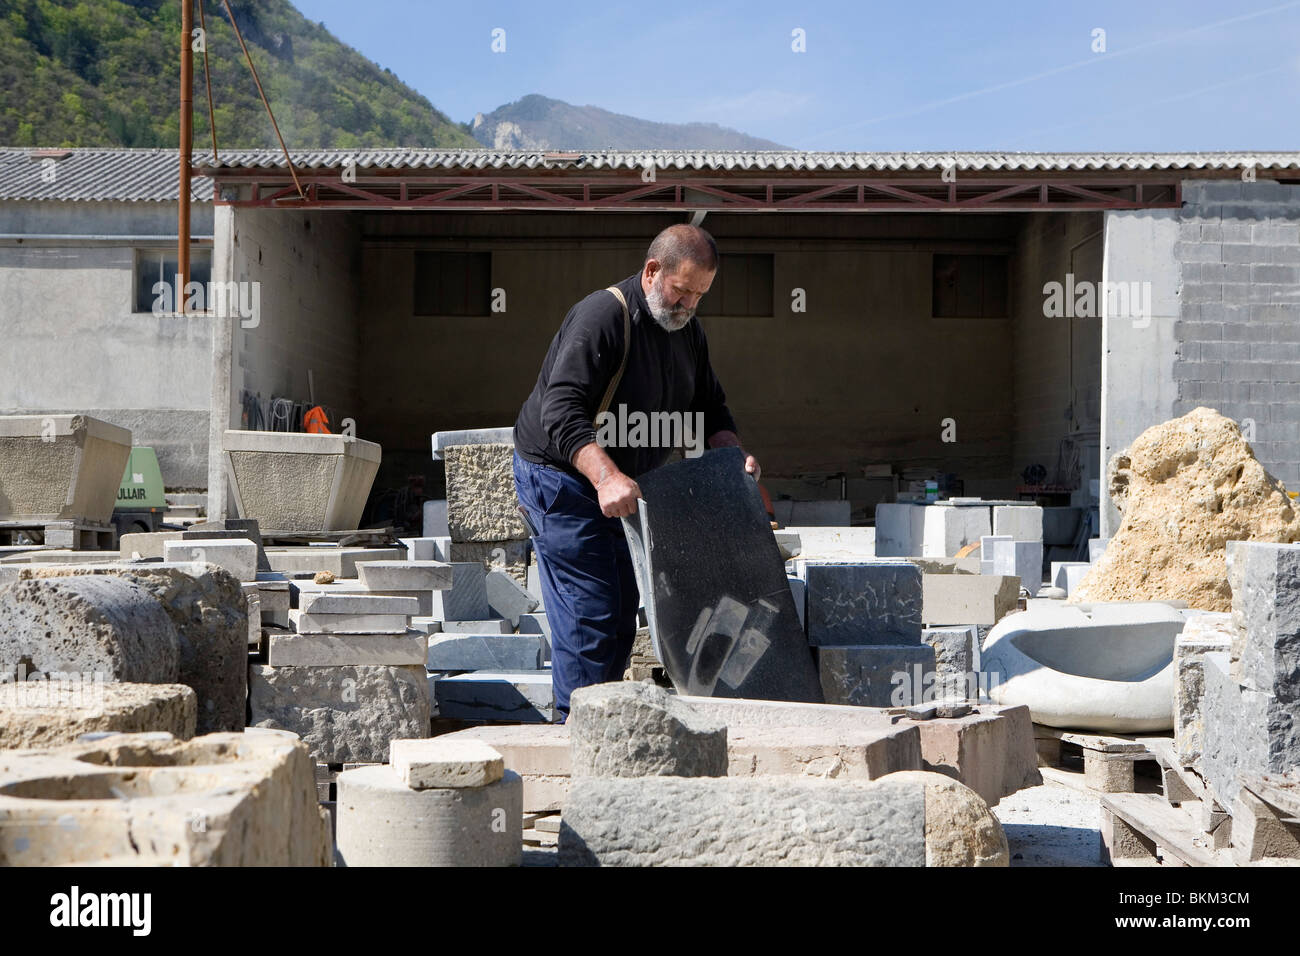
(1099, 742)
(1164, 751)
(1170, 828)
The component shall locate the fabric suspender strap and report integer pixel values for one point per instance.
(627, 344)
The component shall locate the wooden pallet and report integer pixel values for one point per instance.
(76, 534)
(1107, 761)
(1143, 829)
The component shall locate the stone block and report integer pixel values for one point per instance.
(991, 750)
(1262, 834)
(1066, 575)
(507, 597)
(299, 482)
(306, 623)
(246, 528)
(96, 627)
(979, 599)
(485, 652)
(467, 599)
(426, 625)
(489, 626)
(421, 549)
(539, 753)
(627, 729)
(340, 562)
(56, 467)
(508, 556)
(1020, 522)
(147, 799)
(327, 603)
(535, 623)
(435, 521)
(335, 650)
(442, 763)
(237, 555)
(1206, 632)
(908, 819)
(47, 713)
(519, 696)
(384, 823)
(895, 536)
(823, 513)
(852, 604)
(1096, 548)
(869, 675)
(145, 545)
(208, 609)
(1266, 654)
(1022, 559)
(534, 585)
(946, 529)
(839, 543)
(405, 575)
(956, 657)
(481, 501)
(344, 714)
(799, 593)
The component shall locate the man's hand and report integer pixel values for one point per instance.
(726, 439)
(616, 492)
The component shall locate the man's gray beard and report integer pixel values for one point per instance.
(662, 314)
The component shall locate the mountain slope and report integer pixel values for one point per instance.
(106, 73)
(538, 122)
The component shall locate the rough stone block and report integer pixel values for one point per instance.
(343, 714)
(471, 436)
(441, 762)
(318, 603)
(956, 656)
(946, 529)
(1260, 833)
(907, 819)
(852, 604)
(208, 609)
(508, 556)
(481, 501)
(991, 750)
(405, 575)
(978, 599)
(96, 626)
(869, 676)
(485, 652)
(236, 555)
(507, 597)
(1205, 632)
(1266, 656)
(335, 650)
(637, 730)
(46, 713)
(520, 696)
(306, 623)
(148, 799)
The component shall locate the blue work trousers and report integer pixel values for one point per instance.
(588, 584)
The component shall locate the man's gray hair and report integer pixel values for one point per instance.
(683, 242)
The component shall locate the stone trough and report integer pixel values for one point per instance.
(56, 467)
(1102, 667)
(293, 482)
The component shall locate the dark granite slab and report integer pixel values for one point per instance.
(721, 615)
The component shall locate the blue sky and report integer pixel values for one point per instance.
(875, 76)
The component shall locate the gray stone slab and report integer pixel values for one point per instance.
(512, 696)
(306, 623)
(732, 821)
(318, 603)
(405, 575)
(507, 598)
(493, 625)
(239, 557)
(344, 714)
(956, 654)
(1266, 656)
(720, 612)
(875, 675)
(866, 603)
(246, 527)
(467, 599)
(334, 650)
(1205, 633)
(489, 652)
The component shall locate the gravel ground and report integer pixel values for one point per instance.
(1051, 825)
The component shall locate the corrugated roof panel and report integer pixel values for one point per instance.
(87, 175)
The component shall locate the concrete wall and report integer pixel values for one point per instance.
(72, 342)
(306, 267)
(1238, 332)
(1057, 359)
(864, 375)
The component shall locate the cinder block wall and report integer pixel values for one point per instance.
(1238, 330)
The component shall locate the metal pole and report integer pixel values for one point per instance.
(187, 118)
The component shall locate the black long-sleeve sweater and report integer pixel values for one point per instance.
(666, 372)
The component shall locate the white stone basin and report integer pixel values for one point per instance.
(1103, 667)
